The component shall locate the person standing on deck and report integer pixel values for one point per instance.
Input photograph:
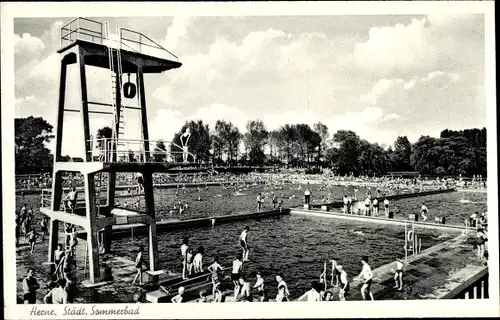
(375, 207)
(424, 211)
(344, 283)
(307, 195)
(335, 273)
(57, 295)
(259, 201)
(235, 275)
(44, 228)
(349, 204)
(386, 208)
(138, 265)
(184, 249)
(367, 275)
(274, 200)
(30, 286)
(214, 269)
(244, 243)
(184, 143)
(398, 274)
(32, 239)
(198, 260)
(367, 206)
(346, 203)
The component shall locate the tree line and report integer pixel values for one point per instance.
(291, 145)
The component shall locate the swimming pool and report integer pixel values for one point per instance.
(294, 245)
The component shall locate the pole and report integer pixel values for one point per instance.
(419, 245)
(406, 242)
(85, 259)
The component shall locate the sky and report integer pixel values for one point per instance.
(380, 76)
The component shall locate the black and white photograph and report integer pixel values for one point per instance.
(220, 153)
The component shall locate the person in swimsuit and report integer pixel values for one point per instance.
(189, 261)
(335, 273)
(140, 183)
(214, 269)
(283, 292)
(138, 265)
(203, 297)
(344, 283)
(30, 286)
(346, 203)
(244, 243)
(57, 295)
(184, 143)
(367, 274)
(274, 200)
(307, 196)
(178, 297)
(70, 199)
(259, 201)
(349, 204)
(386, 208)
(184, 249)
(424, 211)
(367, 206)
(198, 260)
(32, 239)
(480, 241)
(375, 207)
(67, 232)
(235, 275)
(73, 242)
(311, 295)
(245, 293)
(218, 292)
(260, 286)
(44, 228)
(398, 274)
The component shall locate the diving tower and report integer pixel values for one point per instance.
(127, 55)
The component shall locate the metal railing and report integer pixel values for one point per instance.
(132, 150)
(81, 29)
(93, 31)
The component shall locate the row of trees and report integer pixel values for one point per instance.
(296, 145)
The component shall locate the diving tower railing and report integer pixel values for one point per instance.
(89, 30)
(132, 150)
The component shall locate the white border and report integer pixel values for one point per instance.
(399, 309)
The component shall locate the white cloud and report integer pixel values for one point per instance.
(27, 44)
(176, 32)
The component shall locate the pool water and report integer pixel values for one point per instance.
(294, 245)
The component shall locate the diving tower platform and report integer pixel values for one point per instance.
(128, 55)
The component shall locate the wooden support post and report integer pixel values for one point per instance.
(85, 107)
(150, 210)
(110, 203)
(60, 114)
(486, 284)
(144, 114)
(91, 228)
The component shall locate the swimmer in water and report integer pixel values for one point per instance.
(235, 275)
(367, 275)
(398, 273)
(260, 286)
(244, 243)
(424, 211)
